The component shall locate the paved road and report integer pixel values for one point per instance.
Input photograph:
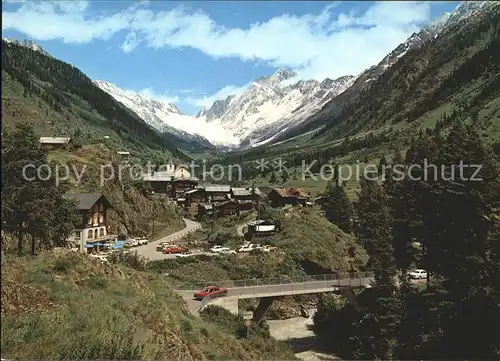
(149, 251)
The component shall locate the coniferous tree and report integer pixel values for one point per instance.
(337, 206)
(376, 333)
(272, 179)
(32, 204)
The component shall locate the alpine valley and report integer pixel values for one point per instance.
(280, 107)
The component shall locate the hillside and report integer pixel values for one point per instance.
(59, 100)
(455, 74)
(88, 311)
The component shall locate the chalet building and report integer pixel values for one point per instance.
(171, 181)
(206, 210)
(55, 142)
(280, 197)
(261, 228)
(228, 208)
(194, 197)
(160, 182)
(179, 186)
(217, 193)
(91, 231)
(125, 156)
(245, 206)
(252, 194)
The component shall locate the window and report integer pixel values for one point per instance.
(90, 234)
(101, 207)
(101, 232)
(78, 235)
(101, 218)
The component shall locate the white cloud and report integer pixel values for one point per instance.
(221, 94)
(328, 44)
(151, 94)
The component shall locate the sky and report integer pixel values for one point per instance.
(195, 52)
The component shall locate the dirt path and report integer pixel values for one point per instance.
(149, 250)
(297, 331)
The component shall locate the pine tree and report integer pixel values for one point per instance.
(382, 165)
(272, 179)
(376, 334)
(284, 176)
(461, 245)
(32, 207)
(337, 206)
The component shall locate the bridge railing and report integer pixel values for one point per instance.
(283, 280)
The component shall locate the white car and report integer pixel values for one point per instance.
(225, 250)
(248, 248)
(418, 274)
(269, 248)
(183, 255)
(216, 249)
(99, 257)
(142, 241)
(133, 242)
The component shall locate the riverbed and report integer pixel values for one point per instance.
(297, 331)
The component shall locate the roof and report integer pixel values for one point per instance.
(220, 198)
(244, 191)
(244, 201)
(258, 221)
(189, 179)
(159, 177)
(291, 192)
(266, 228)
(123, 152)
(218, 188)
(206, 206)
(54, 140)
(192, 191)
(85, 201)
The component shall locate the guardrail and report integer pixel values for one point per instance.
(283, 280)
(290, 285)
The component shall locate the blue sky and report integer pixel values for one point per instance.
(192, 53)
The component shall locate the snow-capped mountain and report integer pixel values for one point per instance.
(166, 117)
(271, 104)
(28, 44)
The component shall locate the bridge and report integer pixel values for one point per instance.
(269, 289)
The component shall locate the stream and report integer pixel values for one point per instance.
(301, 338)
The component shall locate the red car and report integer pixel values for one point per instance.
(210, 290)
(172, 249)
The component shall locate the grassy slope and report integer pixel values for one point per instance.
(67, 306)
(310, 245)
(133, 212)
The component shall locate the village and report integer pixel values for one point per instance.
(197, 201)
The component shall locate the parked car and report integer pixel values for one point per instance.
(225, 250)
(133, 242)
(162, 245)
(269, 248)
(101, 258)
(418, 274)
(173, 249)
(247, 248)
(184, 254)
(216, 249)
(143, 241)
(210, 290)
